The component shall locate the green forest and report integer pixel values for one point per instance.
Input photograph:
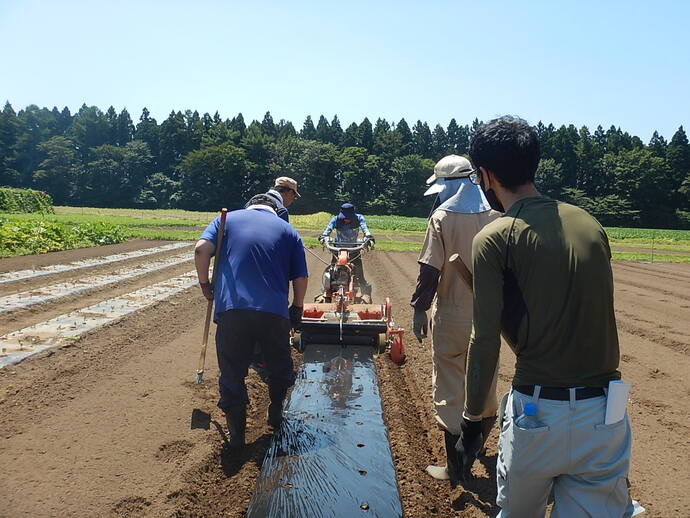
(202, 162)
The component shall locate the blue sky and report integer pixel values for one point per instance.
(587, 62)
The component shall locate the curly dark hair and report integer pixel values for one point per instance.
(509, 148)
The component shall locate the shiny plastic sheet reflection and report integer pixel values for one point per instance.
(331, 456)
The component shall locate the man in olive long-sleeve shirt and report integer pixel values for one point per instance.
(542, 275)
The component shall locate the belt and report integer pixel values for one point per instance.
(561, 393)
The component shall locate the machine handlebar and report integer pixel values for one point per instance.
(350, 247)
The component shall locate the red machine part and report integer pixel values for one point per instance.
(395, 335)
(342, 258)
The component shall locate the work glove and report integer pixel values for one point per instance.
(207, 290)
(420, 324)
(322, 238)
(296, 317)
(468, 446)
(371, 239)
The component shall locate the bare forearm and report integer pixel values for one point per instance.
(202, 259)
(299, 290)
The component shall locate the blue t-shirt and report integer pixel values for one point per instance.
(259, 257)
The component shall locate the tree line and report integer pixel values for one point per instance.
(203, 162)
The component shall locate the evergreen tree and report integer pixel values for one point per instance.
(657, 145)
(453, 134)
(125, 128)
(336, 131)
(423, 141)
(545, 134)
(258, 152)
(237, 125)
(678, 154)
(365, 135)
(207, 122)
(379, 137)
(475, 126)
(286, 129)
(9, 129)
(308, 130)
(600, 139)
(350, 137)
(195, 130)
(323, 130)
(588, 156)
(148, 131)
(406, 139)
(36, 125)
(439, 143)
(678, 157)
(563, 144)
(111, 121)
(89, 129)
(173, 143)
(64, 120)
(268, 127)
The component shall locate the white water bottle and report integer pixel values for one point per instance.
(528, 418)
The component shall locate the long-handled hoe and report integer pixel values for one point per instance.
(209, 307)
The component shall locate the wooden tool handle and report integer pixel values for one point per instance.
(461, 268)
(209, 307)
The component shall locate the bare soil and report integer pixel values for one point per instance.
(113, 426)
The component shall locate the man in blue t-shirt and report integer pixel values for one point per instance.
(259, 256)
(347, 224)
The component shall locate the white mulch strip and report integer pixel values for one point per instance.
(52, 292)
(18, 275)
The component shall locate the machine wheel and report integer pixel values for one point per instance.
(382, 343)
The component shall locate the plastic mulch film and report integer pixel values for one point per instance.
(331, 456)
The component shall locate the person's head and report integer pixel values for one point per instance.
(287, 187)
(347, 212)
(261, 200)
(447, 178)
(509, 148)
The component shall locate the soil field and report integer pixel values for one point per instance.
(113, 425)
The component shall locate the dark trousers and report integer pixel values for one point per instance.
(238, 331)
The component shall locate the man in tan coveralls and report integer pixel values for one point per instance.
(461, 214)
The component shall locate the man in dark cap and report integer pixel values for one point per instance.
(347, 225)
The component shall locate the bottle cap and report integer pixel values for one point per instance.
(530, 409)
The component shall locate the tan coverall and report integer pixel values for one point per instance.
(449, 233)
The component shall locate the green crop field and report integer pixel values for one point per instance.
(393, 233)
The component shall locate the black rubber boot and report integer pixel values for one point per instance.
(452, 458)
(487, 425)
(275, 409)
(236, 418)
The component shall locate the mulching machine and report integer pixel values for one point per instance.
(343, 312)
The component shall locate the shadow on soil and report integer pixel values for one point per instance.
(480, 492)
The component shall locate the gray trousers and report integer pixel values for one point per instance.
(575, 458)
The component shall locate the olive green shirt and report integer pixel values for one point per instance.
(542, 275)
